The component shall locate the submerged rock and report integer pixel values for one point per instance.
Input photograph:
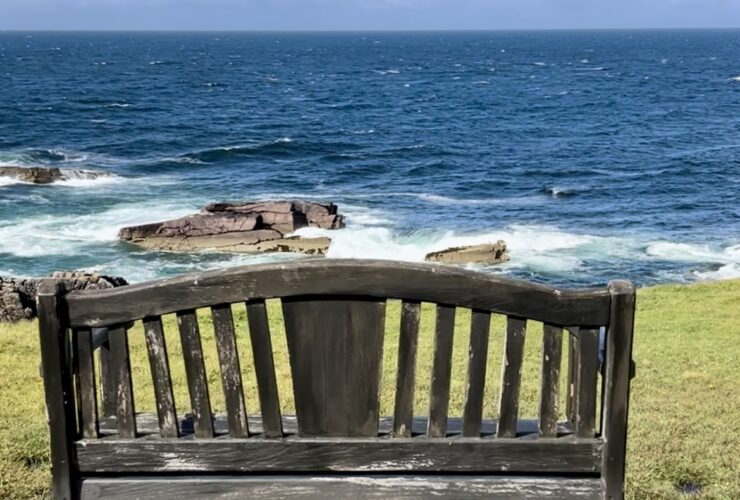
(252, 227)
(18, 295)
(47, 175)
(487, 253)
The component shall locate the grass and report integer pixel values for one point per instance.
(684, 416)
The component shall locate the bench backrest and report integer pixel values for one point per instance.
(334, 317)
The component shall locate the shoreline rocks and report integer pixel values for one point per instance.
(487, 253)
(18, 295)
(251, 227)
(48, 175)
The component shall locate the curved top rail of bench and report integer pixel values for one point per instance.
(341, 277)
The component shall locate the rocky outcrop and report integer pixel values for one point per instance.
(18, 295)
(241, 227)
(47, 175)
(487, 254)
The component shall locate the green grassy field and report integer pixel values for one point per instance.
(685, 405)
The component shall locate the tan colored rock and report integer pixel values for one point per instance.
(487, 253)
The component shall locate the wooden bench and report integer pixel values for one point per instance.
(337, 445)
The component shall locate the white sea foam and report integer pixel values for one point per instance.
(539, 248)
(10, 181)
(734, 78)
(70, 234)
(726, 272)
(686, 252)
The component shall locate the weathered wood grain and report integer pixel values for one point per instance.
(380, 279)
(107, 379)
(570, 407)
(195, 371)
(161, 380)
(552, 343)
(121, 370)
(511, 374)
(335, 347)
(586, 368)
(231, 375)
(57, 386)
(439, 391)
(403, 413)
(296, 454)
(617, 386)
(85, 378)
(480, 326)
(398, 487)
(264, 366)
(147, 424)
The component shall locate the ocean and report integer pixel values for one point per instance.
(594, 154)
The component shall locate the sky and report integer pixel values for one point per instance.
(364, 14)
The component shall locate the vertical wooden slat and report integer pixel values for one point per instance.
(86, 393)
(511, 374)
(264, 366)
(403, 414)
(159, 364)
(107, 380)
(58, 390)
(480, 325)
(195, 372)
(587, 366)
(231, 375)
(617, 387)
(120, 367)
(549, 393)
(335, 348)
(439, 399)
(570, 407)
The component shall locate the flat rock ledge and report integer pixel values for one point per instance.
(48, 175)
(18, 295)
(487, 254)
(250, 227)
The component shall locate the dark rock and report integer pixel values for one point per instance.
(47, 175)
(18, 295)
(487, 253)
(241, 227)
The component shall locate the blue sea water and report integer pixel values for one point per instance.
(594, 155)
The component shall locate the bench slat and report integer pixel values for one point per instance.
(570, 407)
(438, 284)
(231, 376)
(549, 393)
(585, 394)
(264, 366)
(120, 366)
(195, 372)
(480, 326)
(439, 393)
(107, 379)
(335, 348)
(406, 487)
(85, 376)
(403, 414)
(511, 374)
(159, 365)
(335, 455)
